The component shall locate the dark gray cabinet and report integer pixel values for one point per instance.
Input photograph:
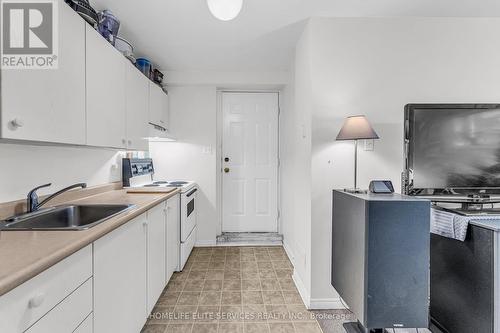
(380, 258)
(462, 282)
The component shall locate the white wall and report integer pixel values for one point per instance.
(23, 167)
(193, 118)
(295, 141)
(244, 80)
(375, 66)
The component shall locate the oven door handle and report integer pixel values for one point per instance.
(191, 193)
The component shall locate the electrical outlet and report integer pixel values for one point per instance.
(369, 145)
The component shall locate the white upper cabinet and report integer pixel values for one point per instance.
(49, 105)
(106, 103)
(95, 97)
(158, 106)
(137, 103)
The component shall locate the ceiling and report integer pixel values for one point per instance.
(182, 34)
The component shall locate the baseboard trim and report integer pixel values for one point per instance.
(304, 294)
(205, 243)
(326, 304)
(289, 252)
(316, 303)
(276, 243)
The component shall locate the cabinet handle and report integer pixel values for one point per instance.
(130, 142)
(124, 141)
(16, 123)
(36, 301)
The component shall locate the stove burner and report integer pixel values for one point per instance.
(151, 185)
(160, 183)
(178, 183)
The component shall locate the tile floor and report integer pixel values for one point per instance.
(233, 289)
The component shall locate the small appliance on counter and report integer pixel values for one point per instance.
(85, 10)
(139, 173)
(108, 26)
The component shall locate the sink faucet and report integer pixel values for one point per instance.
(32, 201)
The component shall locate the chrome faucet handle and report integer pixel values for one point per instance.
(32, 200)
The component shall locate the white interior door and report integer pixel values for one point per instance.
(250, 162)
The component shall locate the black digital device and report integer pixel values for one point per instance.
(381, 186)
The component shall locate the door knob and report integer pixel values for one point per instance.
(226, 170)
(226, 159)
(36, 301)
(16, 123)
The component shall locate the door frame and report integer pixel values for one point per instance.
(219, 156)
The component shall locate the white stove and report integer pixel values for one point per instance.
(140, 173)
(183, 185)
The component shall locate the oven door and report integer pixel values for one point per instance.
(188, 213)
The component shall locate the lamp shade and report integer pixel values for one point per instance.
(356, 128)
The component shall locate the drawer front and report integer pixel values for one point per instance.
(187, 247)
(68, 314)
(86, 326)
(23, 306)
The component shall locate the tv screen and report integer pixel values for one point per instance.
(455, 146)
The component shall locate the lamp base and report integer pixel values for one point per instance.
(355, 190)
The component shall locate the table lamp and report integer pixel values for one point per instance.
(356, 128)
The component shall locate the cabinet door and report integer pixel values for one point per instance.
(49, 105)
(165, 111)
(172, 236)
(105, 93)
(156, 254)
(137, 103)
(156, 105)
(120, 279)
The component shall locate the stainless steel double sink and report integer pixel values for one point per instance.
(66, 217)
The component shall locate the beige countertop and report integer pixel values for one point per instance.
(24, 254)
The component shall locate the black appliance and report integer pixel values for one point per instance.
(85, 10)
(452, 149)
(381, 186)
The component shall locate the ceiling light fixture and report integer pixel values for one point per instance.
(225, 10)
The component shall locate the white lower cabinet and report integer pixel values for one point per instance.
(48, 294)
(120, 279)
(172, 236)
(156, 254)
(109, 286)
(67, 315)
(86, 326)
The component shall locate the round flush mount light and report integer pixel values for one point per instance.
(225, 10)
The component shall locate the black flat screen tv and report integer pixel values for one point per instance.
(452, 148)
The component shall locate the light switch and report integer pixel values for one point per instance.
(369, 145)
(207, 150)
